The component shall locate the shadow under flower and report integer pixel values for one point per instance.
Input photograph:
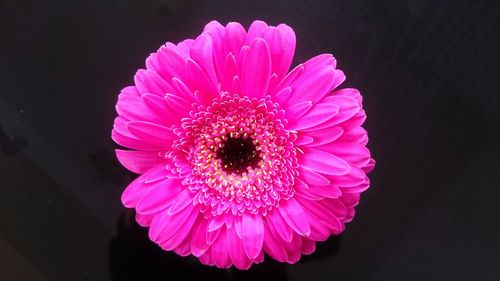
(134, 257)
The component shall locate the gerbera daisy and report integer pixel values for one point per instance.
(237, 156)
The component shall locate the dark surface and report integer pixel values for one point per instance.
(428, 71)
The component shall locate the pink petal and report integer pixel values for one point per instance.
(252, 232)
(130, 91)
(359, 188)
(319, 192)
(184, 47)
(237, 225)
(184, 199)
(311, 177)
(211, 236)
(201, 82)
(236, 251)
(234, 38)
(322, 137)
(337, 206)
(182, 232)
(165, 114)
(153, 64)
(282, 95)
(318, 114)
(151, 133)
(273, 82)
(287, 50)
(139, 187)
(294, 249)
(256, 70)
(273, 246)
(160, 197)
(220, 254)
(312, 86)
(318, 79)
(296, 111)
(354, 121)
(293, 214)
(178, 103)
(125, 99)
(370, 166)
(355, 177)
(357, 120)
(136, 110)
(281, 41)
(303, 140)
(138, 161)
(198, 239)
(184, 249)
(259, 258)
(206, 258)
(350, 200)
(353, 153)
(309, 195)
(132, 142)
(287, 81)
(323, 162)
(355, 135)
(348, 107)
(308, 246)
(203, 53)
(276, 223)
(228, 73)
(255, 30)
(322, 213)
(148, 82)
(216, 222)
(130, 106)
(279, 51)
(183, 93)
(319, 230)
(320, 61)
(165, 225)
(229, 221)
(339, 78)
(144, 220)
(217, 32)
(124, 137)
(302, 190)
(353, 93)
(326, 191)
(170, 63)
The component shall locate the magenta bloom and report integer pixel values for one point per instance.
(239, 157)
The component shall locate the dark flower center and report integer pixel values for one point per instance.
(237, 154)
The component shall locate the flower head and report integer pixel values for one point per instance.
(239, 157)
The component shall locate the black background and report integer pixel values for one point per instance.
(428, 71)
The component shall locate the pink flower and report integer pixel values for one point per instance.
(238, 156)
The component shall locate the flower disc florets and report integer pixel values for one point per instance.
(242, 157)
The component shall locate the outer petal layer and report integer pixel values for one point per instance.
(326, 158)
